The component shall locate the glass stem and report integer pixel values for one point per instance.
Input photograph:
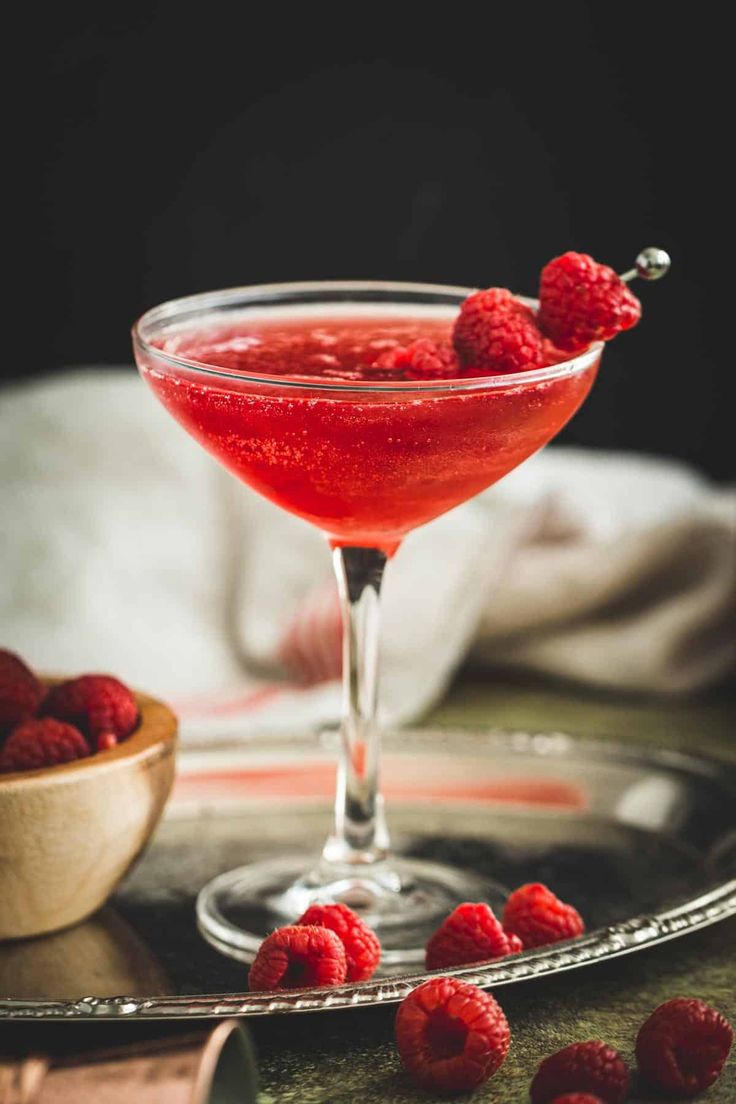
(360, 837)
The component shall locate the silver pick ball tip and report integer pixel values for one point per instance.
(652, 263)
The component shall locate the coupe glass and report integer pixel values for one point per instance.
(366, 462)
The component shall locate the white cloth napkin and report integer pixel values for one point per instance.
(126, 548)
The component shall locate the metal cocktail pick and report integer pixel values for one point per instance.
(651, 264)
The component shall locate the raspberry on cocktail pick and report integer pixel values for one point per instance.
(495, 334)
(581, 301)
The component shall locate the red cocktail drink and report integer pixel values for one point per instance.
(368, 464)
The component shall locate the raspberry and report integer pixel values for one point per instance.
(591, 1067)
(20, 691)
(683, 1046)
(469, 934)
(298, 957)
(451, 1036)
(42, 743)
(96, 704)
(362, 949)
(515, 944)
(534, 914)
(577, 1098)
(422, 359)
(106, 741)
(494, 332)
(582, 301)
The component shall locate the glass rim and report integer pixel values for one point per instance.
(252, 294)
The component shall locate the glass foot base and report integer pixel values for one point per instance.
(404, 900)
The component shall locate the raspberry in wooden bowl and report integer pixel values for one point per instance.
(69, 832)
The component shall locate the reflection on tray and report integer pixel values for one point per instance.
(101, 956)
(405, 779)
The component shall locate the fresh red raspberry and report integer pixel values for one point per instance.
(96, 704)
(591, 1067)
(42, 742)
(106, 741)
(683, 1046)
(422, 359)
(298, 957)
(582, 301)
(515, 944)
(577, 1098)
(451, 1036)
(469, 934)
(538, 917)
(495, 332)
(362, 949)
(20, 691)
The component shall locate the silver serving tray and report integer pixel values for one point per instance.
(644, 843)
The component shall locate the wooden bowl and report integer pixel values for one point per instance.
(69, 833)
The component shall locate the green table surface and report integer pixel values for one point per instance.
(350, 1057)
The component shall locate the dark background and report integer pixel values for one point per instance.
(171, 152)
